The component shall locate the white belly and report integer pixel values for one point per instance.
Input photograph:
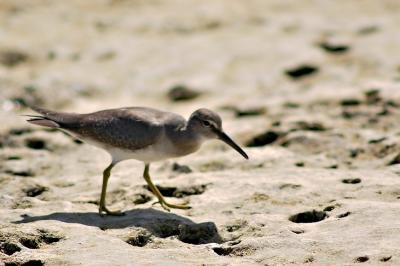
(147, 155)
(152, 153)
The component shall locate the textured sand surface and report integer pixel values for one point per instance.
(311, 89)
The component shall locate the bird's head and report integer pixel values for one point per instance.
(208, 125)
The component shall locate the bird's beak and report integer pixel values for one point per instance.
(225, 138)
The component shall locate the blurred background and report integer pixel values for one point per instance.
(86, 55)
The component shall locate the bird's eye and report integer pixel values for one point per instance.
(206, 123)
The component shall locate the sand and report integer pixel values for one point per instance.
(310, 89)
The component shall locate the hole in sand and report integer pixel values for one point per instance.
(21, 172)
(362, 259)
(165, 191)
(350, 102)
(9, 248)
(298, 231)
(11, 58)
(223, 251)
(139, 240)
(141, 198)
(308, 217)
(246, 111)
(14, 158)
(343, 215)
(334, 48)
(35, 191)
(182, 191)
(11, 264)
(48, 237)
(289, 186)
(36, 144)
(190, 190)
(301, 71)
(33, 263)
(385, 259)
(351, 180)
(309, 259)
(179, 168)
(182, 93)
(31, 243)
(263, 139)
(309, 126)
(201, 233)
(19, 131)
(329, 208)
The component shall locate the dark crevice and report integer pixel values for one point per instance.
(301, 71)
(308, 217)
(351, 180)
(263, 139)
(9, 248)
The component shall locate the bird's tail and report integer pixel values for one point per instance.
(46, 119)
(43, 121)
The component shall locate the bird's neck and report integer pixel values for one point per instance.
(187, 140)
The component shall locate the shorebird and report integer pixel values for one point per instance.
(140, 133)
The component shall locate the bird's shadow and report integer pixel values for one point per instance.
(158, 223)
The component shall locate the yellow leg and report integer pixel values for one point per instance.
(157, 192)
(102, 207)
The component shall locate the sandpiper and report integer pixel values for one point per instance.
(140, 133)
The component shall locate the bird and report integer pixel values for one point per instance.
(141, 133)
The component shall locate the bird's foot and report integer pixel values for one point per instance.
(168, 206)
(104, 211)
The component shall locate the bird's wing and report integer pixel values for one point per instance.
(126, 128)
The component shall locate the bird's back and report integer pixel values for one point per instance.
(130, 128)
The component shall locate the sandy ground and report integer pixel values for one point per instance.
(309, 88)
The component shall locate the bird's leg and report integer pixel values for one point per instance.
(102, 205)
(157, 192)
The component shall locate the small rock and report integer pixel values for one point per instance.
(182, 93)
